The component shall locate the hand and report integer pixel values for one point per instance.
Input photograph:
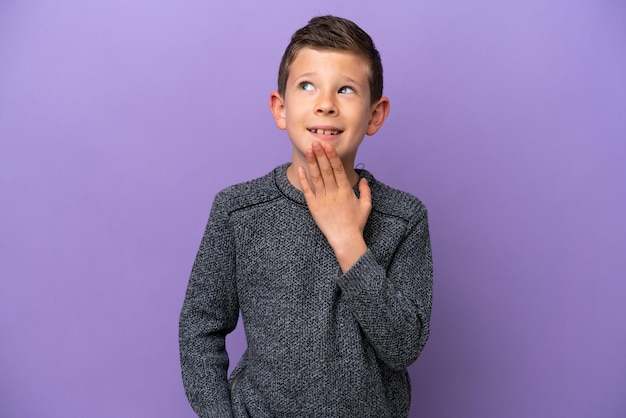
(340, 215)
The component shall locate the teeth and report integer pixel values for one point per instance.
(324, 131)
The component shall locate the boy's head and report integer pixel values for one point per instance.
(329, 90)
(330, 33)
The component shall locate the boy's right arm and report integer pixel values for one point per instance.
(210, 311)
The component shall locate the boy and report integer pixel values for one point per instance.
(330, 268)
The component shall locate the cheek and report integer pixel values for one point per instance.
(365, 117)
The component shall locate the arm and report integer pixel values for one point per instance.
(392, 304)
(339, 214)
(210, 311)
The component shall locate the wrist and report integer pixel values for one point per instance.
(348, 251)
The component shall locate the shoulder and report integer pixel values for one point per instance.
(246, 194)
(389, 201)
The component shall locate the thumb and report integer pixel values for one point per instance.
(365, 192)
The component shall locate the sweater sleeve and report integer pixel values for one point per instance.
(210, 311)
(393, 305)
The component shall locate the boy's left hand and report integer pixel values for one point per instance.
(340, 215)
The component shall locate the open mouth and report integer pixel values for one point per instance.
(325, 131)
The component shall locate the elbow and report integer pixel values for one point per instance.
(406, 351)
(401, 361)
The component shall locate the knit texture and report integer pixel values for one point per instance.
(320, 343)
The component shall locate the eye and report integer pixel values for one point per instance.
(305, 85)
(346, 90)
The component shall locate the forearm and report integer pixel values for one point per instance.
(203, 359)
(392, 302)
(206, 385)
(396, 326)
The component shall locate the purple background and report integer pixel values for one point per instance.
(120, 120)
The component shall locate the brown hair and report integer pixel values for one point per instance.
(334, 33)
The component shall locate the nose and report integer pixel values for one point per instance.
(325, 105)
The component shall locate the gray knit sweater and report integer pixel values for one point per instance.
(320, 343)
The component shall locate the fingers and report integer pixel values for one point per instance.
(314, 169)
(326, 167)
(304, 184)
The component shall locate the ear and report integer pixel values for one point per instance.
(379, 112)
(277, 106)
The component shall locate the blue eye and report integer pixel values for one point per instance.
(305, 85)
(346, 90)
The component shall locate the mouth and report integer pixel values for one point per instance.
(324, 131)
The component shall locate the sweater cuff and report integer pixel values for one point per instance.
(364, 273)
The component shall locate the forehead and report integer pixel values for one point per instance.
(329, 62)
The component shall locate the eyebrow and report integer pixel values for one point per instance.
(310, 75)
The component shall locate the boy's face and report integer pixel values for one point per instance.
(327, 99)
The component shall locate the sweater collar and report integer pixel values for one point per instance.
(286, 188)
